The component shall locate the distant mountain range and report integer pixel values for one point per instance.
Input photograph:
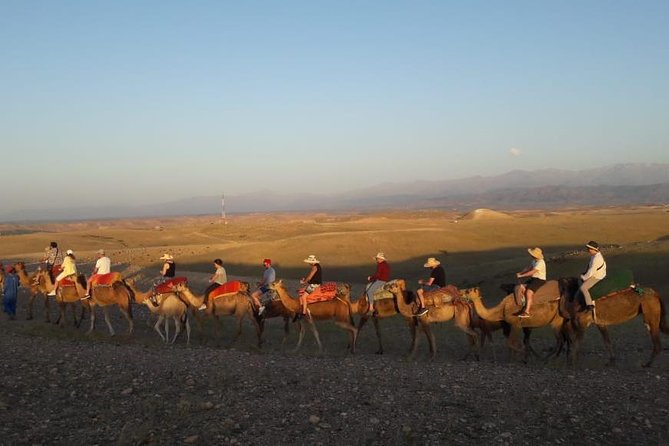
(621, 184)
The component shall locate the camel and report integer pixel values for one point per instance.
(29, 282)
(336, 309)
(170, 306)
(66, 295)
(275, 308)
(118, 293)
(616, 308)
(456, 309)
(543, 313)
(237, 304)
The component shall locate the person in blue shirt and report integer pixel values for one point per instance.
(11, 290)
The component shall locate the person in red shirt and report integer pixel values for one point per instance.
(377, 280)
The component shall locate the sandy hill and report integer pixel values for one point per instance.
(485, 214)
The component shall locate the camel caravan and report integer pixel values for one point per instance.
(567, 305)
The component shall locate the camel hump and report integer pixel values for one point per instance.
(548, 292)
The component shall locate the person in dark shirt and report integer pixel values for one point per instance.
(436, 280)
(380, 277)
(313, 280)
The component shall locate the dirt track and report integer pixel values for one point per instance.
(60, 386)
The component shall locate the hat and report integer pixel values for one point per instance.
(537, 253)
(269, 261)
(592, 245)
(9, 269)
(431, 262)
(166, 257)
(311, 259)
(69, 252)
(100, 251)
(380, 255)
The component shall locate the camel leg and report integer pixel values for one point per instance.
(414, 337)
(258, 325)
(105, 312)
(352, 333)
(300, 337)
(131, 324)
(361, 323)
(314, 330)
(92, 326)
(177, 324)
(652, 314)
(30, 307)
(240, 317)
(432, 343)
(604, 331)
(158, 330)
(378, 335)
(187, 332)
(286, 330)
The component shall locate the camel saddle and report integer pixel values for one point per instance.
(167, 286)
(67, 282)
(232, 287)
(327, 291)
(613, 283)
(105, 280)
(381, 294)
(441, 296)
(548, 292)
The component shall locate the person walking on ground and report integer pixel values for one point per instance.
(537, 274)
(380, 277)
(268, 276)
(102, 266)
(217, 279)
(69, 270)
(313, 280)
(436, 280)
(596, 272)
(10, 288)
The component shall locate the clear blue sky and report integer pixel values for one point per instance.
(145, 101)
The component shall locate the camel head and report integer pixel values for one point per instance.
(179, 287)
(343, 289)
(395, 286)
(19, 266)
(471, 293)
(277, 284)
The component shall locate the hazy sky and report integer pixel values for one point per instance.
(136, 101)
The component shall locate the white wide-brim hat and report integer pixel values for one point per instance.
(311, 259)
(431, 262)
(166, 257)
(537, 253)
(69, 252)
(380, 255)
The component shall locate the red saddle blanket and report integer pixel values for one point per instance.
(56, 269)
(167, 286)
(323, 293)
(228, 287)
(67, 282)
(105, 279)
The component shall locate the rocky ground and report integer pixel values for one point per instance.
(60, 386)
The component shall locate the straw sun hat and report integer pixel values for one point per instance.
(167, 257)
(380, 255)
(311, 259)
(537, 253)
(431, 262)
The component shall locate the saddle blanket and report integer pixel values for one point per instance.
(613, 282)
(167, 286)
(381, 294)
(105, 279)
(442, 295)
(234, 286)
(323, 293)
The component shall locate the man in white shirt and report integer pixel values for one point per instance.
(102, 266)
(596, 272)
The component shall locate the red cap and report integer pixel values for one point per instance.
(9, 269)
(267, 261)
